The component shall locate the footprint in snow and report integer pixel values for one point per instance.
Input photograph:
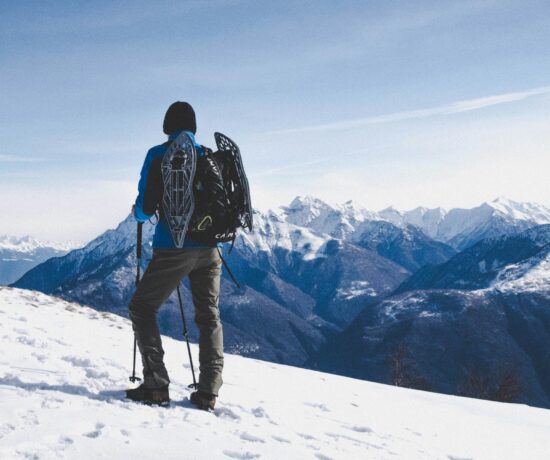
(25, 340)
(251, 438)
(241, 455)
(318, 406)
(77, 361)
(259, 412)
(225, 412)
(86, 365)
(279, 439)
(322, 457)
(39, 356)
(97, 432)
(66, 440)
(6, 429)
(358, 429)
(95, 374)
(307, 436)
(51, 403)
(29, 417)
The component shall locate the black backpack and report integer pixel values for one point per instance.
(206, 197)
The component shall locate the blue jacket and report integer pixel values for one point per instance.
(162, 238)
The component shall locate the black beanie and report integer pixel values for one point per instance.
(180, 116)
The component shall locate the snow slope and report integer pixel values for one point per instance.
(64, 367)
(531, 275)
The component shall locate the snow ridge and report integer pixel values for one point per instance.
(458, 227)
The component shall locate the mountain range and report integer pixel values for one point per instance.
(471, 325)
(19, 254)
(315, 275)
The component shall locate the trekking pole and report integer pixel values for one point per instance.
(133, 377)
(185, 334)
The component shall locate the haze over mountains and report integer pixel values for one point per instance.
(19, 254)
(317, 281)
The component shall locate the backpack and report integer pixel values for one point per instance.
(206, 197)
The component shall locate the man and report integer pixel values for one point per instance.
(202, 263)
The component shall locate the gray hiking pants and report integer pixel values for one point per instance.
(164, 273)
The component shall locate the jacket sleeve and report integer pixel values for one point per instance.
(139, 212)
(154, 187)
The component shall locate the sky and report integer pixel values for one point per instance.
(403, 103)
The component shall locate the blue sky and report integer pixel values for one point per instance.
(405, 103)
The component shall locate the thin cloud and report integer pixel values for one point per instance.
(285, 169)
(448, 109)
(300, 165)
(18, 159)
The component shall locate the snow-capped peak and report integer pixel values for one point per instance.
(306, 200)
(28, 244)
(273, 231)
(534, 212)
(392, 215)
(357, 212)
(305, 209)
(459, 227)
(426, 219)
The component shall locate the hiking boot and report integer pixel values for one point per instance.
(149, 396)
(202, 400)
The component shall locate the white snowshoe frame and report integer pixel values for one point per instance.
(224, 143)
(178, 171)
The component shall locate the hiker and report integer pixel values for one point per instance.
(200, 261)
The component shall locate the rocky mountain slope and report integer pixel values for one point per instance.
(488, 339)
(480, 265)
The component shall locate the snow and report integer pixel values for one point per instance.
(522, 211)
(64, 367)
(342, 220)
(530, 275)
(392, 215)
(356, 289)
(271, 232)
(27, 244)
(426, 219)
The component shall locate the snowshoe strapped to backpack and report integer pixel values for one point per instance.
(222, 197)
(178, 170)
(206, 197)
